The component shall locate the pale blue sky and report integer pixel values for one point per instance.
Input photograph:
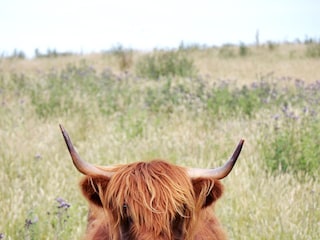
(95, 25)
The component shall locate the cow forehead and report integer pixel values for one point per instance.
(152, 194)
(156, 172)
(156, 185)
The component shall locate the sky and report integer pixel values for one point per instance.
(85, 26)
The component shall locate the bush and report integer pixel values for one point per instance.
(313, 50)
(165, 64)
(243, 50)
(271, 45)
(226, 51)
(225, 100)
(60, 90)
(124, 56)
(294, 146)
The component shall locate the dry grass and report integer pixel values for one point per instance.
(287, 60)
(36, 167)
(283, 61)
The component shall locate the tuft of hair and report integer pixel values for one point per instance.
(154, 196)
(152, 200)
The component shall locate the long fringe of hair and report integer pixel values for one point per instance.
(153, 195)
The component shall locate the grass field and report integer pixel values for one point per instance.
(193, 113)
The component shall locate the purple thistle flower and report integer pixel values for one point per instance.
(29, 222)
(62, 203)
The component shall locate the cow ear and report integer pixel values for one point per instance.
(93, 188)
(207, 190)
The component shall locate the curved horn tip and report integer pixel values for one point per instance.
(61, 127)
(66, 139)
(237, 152)
(240, 144)
(63, 130)
(227, 168)
(220, 172)
(79, 163)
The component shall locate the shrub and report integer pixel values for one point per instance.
(51, 53)
(60, 89)
(226, 51)
(271, 45)
(313, 50)
(294, 146)
(165, 64)
(243, 50)
(124, 56)
(16, 54)
(225, 100)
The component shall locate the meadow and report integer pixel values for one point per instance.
(189, 106)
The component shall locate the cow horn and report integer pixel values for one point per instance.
(81, 165)
(220, 172)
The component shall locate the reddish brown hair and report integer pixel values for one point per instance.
(152, 200)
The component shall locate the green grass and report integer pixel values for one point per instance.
(195, 121)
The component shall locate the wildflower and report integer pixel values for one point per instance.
(28, 222)
(62, 203)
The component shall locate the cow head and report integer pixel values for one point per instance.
(149, 200)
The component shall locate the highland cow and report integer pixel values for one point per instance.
(151, 200)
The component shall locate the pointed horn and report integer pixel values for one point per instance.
(80, 164)
(220, 172)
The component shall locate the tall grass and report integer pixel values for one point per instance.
(196, 121)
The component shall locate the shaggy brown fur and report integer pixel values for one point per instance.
(151, 200)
